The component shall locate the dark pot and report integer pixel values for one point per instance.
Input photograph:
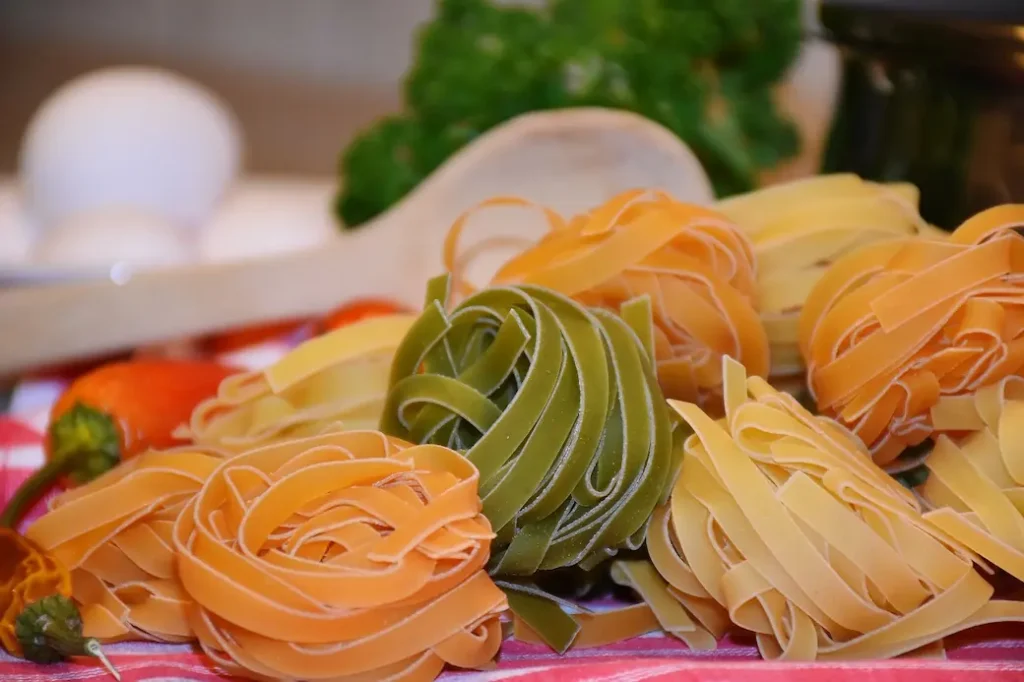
(933, 94)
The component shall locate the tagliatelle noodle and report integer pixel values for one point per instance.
(696, 266)
(337, 380)
(599, 629)
(894, 330)
(343, 556)
(781, 520)
(800, 228)
(559, 409)
(976, 485)
(115, 536)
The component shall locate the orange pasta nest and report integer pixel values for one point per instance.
(347, 555)
(781, 525)
(115, 536)
(896, 335)
(798, 229)
(332, 382)
(696, 266)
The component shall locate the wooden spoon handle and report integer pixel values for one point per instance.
(41, 325)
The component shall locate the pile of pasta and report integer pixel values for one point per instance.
(799, 229)
(338, 380)
(115, 535)
(899, 336)
(780, 524)
(368, 506)
(697, 268)
(346, 555)
(559, 409)
(975, 487)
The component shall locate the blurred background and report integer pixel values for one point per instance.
(302, 77)
(248, 128)
(283, 121)
(264, 117)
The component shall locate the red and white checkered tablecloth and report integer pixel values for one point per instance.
(995, 654)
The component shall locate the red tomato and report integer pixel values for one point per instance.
(243, 337)
(358, 310)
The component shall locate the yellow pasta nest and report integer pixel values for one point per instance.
(115, 536)
(800, 228)
(780, 524)
(338, 380)
(696, 266)
(896, 330)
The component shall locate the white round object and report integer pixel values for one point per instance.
(129, 136)
(112, 236)
(16, 231)
(268, 217)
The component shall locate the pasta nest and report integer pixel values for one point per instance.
(347, 555)
(898, 333)
(799, 229)
(557, 406)
(115, 536)
(781, 523)
(332, 382)
(975, 486)
(695, 265)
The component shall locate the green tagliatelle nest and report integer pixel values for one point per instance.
(557, 406)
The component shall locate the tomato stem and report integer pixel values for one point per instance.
(50, 630)
(31, 490)
(83, 443)
(88, 438)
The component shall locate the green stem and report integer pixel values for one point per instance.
(68, 642)
(64, 637)
(50, 630)
(32, 489)
(92, 648)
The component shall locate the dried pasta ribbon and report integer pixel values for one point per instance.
(976, 485)
(598, 629)
(559, 409)
(800, 228)
(458, 261)
(539, 618)
(695, 265)
(347, 555)
(782, 524)
(332, 381)
(114, 535)
(896, 327)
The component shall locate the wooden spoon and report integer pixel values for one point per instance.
(570, 160)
